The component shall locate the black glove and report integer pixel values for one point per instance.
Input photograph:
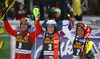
(71, 12)
(86, 56)
(4, 12)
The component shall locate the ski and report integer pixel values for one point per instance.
(87, 35)
(56, 45)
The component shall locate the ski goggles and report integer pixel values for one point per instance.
(80, 25)
(50, 24)
(23, 20)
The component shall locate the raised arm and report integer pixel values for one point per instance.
(9, 29)
(71, 24)
(38, 31)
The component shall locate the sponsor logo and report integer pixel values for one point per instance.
(78, 45)
(88, 30)
(47, 40)
(20, 39)
(19, 50)
(51, 52)
(56, 41)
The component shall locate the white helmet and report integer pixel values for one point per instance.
(51, 23)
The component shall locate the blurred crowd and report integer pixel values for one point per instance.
(62, 10)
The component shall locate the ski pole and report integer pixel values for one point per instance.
(35, 13)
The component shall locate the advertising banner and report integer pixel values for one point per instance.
(4, 44)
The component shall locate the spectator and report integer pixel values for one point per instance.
(77, 9)
(0, 11)
(65, 6)
(57, 15)
(53, 8)
(21, 12)
(61, 4)
(56, 18)
(1, 7)
(27, 6)
(94, 8)
(45, 13)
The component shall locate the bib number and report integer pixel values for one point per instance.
(78, 51)
(20, 45)
(50, 47)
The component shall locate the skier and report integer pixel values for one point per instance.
(77, 44)
(24, 38)
(48, 42)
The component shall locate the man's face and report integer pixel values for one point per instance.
(80, 32)
(24, 26)
(50, 29)
(57, 15)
